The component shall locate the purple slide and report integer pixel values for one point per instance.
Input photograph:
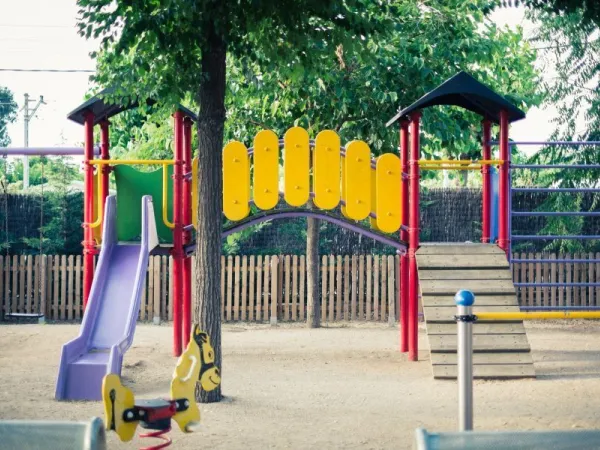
(112, 310)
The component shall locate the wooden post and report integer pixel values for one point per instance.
(274, 290)
(354, 287)
(244, 304)
(252, 275)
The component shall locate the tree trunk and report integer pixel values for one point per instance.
(211, 120)
(313, 306)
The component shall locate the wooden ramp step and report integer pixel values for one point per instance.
(500, 349)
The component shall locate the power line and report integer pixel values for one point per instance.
(50, 70)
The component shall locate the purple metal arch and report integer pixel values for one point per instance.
(335, 220)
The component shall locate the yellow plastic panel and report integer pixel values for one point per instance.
(373, 181)
(295, 166)
(326, 170)
(388, 205)
(236, 181)
(195, 192)
(114, 409)
(357, 179)
(266, 170)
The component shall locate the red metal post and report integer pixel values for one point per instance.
(403, 294)
(503, 183)
(177, 252)
(187, 235)
(486, 183)
(413, 238)
(89, 246)
(105, 154)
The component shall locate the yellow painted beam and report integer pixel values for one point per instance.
(358, 180)
(389, 196)
(450, 168)
(550, 315)
(424, 162)
(236, 181)
(132, 162)
(296, 161)
(266, 170)
(326, 170)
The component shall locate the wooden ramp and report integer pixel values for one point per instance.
(500, 349)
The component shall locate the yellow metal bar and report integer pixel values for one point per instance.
(459, 162)
(538, 315)
(100, 204)
(132, 162)
(165, 196)
(450, 167)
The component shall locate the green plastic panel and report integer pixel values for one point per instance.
(132, 185)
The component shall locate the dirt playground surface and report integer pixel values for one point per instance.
(340, 387)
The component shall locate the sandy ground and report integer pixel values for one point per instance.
(343, 387)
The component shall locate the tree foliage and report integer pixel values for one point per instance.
(8, 114)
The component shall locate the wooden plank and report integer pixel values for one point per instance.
(302, 297)
(383, 303)
(56, 292)
(447, 313)
(6, 276)
(164, 293)
(63, 287)
(553, 290)
(538, 279)
(331, 288)
(294, 293)
(259, 294)
(576, 276)
(492, 371)
(429, 287)
(368, 305)
(236, 296)
(251, 276)
(462, 262)
(280, 265)
(149, 299)
(459, 249)
(354, 286)
(488, 328)
(560, 301)
(229, 305)
(223, 270)
(267, 289)
(29, 293)
(244, 304)
(375, 288)
(523, 280)
(391, 286)
(21, 281)
(591, 300)
(515, 275)
(324, 284)
(597, 279)
(2, 297)
(481, 342)
(568, 279)
(465, 274)
(274, 289)
(50, 284)
(157, 288)
(70, 306)
(287, 280)
(43, 283)
(361, 287)
(339, 289)
(346, 287)
(546, 290)
(170, 272)
(484, 358)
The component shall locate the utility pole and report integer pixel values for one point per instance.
(28, 115)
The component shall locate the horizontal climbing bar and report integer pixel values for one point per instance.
(515, 189)
(509, 316)
(520, 237)
(560, 308)
(573, 284)
(461, 162)
(555, 166)
(555, 143)
(439, 167)
(555, 260)
(555, 213)
(45, 151)
(132, 162)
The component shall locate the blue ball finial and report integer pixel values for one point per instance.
(464, 298)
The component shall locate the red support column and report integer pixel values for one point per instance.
(403, 294)
(503, 184)
(413, 231)
(105, 154)
(187, 235)
(89, 247)
(177, 252)
(486, 183)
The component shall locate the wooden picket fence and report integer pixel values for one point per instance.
(273, 288)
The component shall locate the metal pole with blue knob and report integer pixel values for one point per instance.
(464, 319)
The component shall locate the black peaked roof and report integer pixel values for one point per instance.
(465, 91)
(104, 109)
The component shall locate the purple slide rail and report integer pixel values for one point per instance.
(110, 318)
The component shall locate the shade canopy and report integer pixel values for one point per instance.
(104, 109)
(465, 91)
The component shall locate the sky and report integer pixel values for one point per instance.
(42, 34)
